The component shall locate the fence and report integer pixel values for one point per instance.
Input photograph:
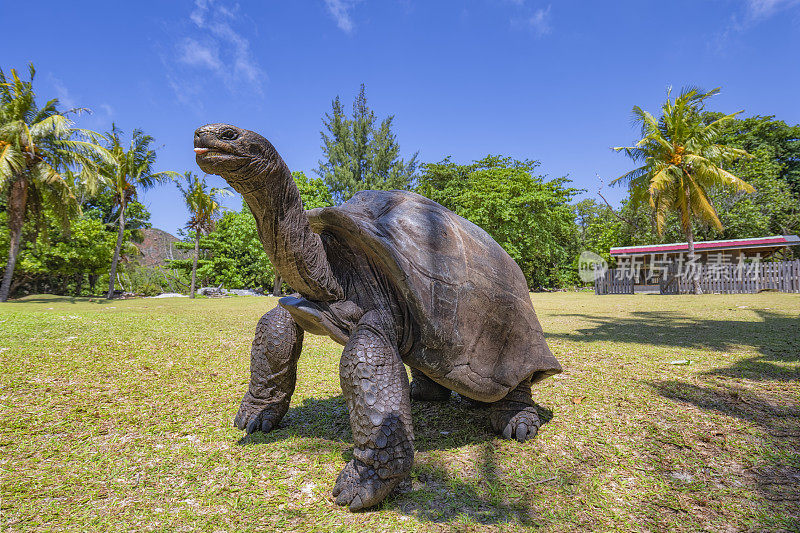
(738, 278)
(614, 281)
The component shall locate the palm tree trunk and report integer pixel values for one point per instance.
(120, 234)
(17, 201)
(194, 264)
(690, 241)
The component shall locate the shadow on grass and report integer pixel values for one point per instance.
(765, 404)
(777, 478)
(776, 336)
(438, 495)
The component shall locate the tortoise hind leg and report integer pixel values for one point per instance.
(515, 417)
(375, 386)
(425, 389)
(273, 372)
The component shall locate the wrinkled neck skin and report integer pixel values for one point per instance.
(296, 252)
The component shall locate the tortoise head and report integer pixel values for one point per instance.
(240, 156)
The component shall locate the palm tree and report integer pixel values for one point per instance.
(39, 150)
(204, 206)
(132, 169)
(681, 161)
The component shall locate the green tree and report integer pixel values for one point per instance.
(313, 191)
(771, 209)
(38, 148)
(52, 257)
(204, 207)
(103, 207)
(130, 171)
(772, 139)
(360, 156)
(529, 217)
(234, 255)
(681, 159)
(599, 227)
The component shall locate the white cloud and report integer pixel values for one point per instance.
(530, 19)
(340, 11)
(539, 21)
(62, 93)
(761, 9)
(215, 47)
(535, 20)
(751, 13)
(196, 54)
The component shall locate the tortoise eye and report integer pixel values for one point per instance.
(228, 135)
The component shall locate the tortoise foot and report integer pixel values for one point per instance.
(520, 423)
(359, 486)
(256, 415)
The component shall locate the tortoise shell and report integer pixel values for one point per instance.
(475, 330)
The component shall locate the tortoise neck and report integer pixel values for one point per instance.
(295, 251)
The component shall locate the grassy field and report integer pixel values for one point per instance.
(118, 416)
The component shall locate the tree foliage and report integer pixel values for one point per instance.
(57, 260)
(773, 140)
(358, 155)
(43, 159)
(771, 210)
(204, 208)
(313, 191)
(599, 227)
(130, 170)
(681, 159)
(202, 201)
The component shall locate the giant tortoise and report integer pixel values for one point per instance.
(396, 278)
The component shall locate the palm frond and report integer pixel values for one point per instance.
(12, 161)
(703, 208)
(630, 176)
(682, 157)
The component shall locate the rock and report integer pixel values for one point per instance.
(212, 292)
(245, 292)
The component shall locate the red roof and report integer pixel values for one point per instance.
(776, 241)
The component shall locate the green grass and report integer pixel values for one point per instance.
(118, 416)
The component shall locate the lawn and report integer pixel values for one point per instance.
(118, 416)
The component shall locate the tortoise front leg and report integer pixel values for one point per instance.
(273, 372)
(375, 386)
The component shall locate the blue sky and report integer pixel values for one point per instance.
(548, 80)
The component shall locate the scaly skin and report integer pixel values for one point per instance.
(515, 417)
(273, 372)
(252, 166)
(425, 389)
(375, 386)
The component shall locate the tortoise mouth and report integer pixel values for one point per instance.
(215, 159)
(210, 154)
